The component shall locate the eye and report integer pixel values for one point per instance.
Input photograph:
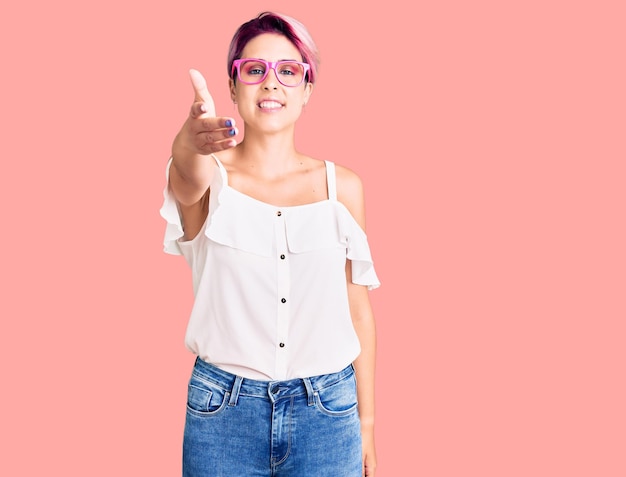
(289, 69)
(254, 68)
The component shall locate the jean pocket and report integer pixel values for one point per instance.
(205, 398)
(337, 400)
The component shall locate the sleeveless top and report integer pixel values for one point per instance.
(270, 291)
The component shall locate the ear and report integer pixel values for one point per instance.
(308, 91)
(233, 90)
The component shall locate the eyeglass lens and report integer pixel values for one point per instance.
(289, 73)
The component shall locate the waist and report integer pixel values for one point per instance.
(254, 387)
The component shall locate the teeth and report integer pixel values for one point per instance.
(270, 104)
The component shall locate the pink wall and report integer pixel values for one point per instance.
(490, 138)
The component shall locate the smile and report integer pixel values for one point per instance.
(270, 105)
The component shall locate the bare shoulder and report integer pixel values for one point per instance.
(349, 183)
(350, 192)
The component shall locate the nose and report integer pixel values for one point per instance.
(271, 80)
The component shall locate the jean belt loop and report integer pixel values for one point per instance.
(234, 394)
(309, 391)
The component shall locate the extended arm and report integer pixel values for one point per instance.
(192, 169)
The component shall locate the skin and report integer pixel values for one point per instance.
(267, 166)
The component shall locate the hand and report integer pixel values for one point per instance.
(204, 133)
(369, 455)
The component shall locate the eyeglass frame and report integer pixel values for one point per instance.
(270, 65)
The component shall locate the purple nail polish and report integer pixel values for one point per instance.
(232, 132)
(229, 123)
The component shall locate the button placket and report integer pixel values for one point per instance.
(283, 290)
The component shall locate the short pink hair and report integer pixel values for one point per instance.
(290, 28)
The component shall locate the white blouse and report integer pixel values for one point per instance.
(269, 282)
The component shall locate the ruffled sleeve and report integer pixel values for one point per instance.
(358, 250)
(169, 211)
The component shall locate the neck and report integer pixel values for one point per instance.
(271, 155)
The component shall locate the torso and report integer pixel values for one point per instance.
(304, 184)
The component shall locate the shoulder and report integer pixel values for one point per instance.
(350, 192)
(348, 182)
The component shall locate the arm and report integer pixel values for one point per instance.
(364, 365)
(192, 169)
(350, 193)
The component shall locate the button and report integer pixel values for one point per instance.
(275, 390)
(282, 256)
(283, 300)
(282, 345)
(279, 213)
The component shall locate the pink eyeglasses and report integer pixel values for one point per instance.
(254, 71)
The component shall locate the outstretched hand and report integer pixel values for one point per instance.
(204, 132)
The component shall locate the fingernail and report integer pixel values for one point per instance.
(229, 123)
(232, 132)
(203, 108)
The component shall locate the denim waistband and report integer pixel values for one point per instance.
(238, 385)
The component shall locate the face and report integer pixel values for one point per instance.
(270, 105)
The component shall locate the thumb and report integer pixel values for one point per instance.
(201, 92)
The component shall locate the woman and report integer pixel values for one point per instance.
(282, 327)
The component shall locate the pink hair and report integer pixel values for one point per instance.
(269, 22)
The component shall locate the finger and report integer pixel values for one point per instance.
(216, 135)
(201, 92)
(211, 146)
(199, 123)
(203, 123)
(213, 124)
(197, 110)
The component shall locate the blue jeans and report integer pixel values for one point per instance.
(239, 427)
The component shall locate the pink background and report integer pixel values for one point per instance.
(490, 137)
